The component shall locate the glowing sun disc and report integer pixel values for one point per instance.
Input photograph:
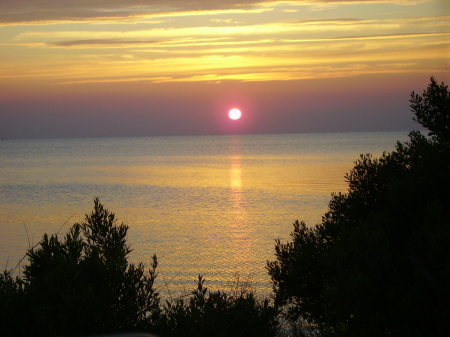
(234, 114)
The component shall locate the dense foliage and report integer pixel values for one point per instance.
(205, 314)
(83, 285)
(379, 262)
(432, 109)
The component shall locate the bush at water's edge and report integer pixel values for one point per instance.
(379, 263)
(83, 285)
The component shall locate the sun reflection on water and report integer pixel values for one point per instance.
(240, 228)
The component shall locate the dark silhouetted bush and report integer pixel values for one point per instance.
(432, 109)
(218, 313)
(379, 262)
(83, 285)
(80, 285)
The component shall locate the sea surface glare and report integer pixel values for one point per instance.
(210, 205)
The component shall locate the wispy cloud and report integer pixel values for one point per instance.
(51, 11)
(100, 43)
(370, 37)
(56, 11)
(216, 40)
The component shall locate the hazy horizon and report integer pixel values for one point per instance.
(406, 132)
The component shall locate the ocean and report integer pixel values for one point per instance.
(208, 205)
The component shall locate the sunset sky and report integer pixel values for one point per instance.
(95, 68)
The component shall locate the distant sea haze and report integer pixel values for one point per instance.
(210, 205)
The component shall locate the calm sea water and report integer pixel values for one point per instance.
(210, 205)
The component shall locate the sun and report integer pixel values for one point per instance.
(234, 114)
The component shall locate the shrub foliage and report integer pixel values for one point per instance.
(83, 285)
(219, 313)
(379, 262)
